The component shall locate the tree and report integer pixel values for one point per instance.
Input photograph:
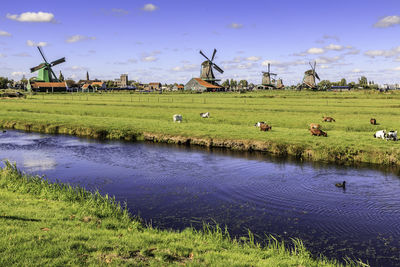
(363, 81)
(233, 84)
(243, 84)
(61, 77)
(226, 84)
(325, 84)
(343, 82)
(24, 81)
(71, 83)
(3, 82)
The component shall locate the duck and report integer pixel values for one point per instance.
(4, 131)
(341, 185)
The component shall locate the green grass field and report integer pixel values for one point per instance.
(57, 225)
(128, 116)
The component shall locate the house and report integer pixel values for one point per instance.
(197, 84)
(178, 87)
(49, 87)
(155, 86)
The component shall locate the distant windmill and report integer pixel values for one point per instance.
(310, 77)
(207, 66)
(267, 79)
(46, 73)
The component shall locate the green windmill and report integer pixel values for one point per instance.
(46, 74)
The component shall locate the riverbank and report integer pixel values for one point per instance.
(56, 224)
(149, 117)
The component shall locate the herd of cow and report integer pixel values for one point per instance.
(315, 128)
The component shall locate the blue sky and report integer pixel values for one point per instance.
(160, 40)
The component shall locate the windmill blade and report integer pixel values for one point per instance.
(38, 67)
(41, 52)
(316, 76)
(218, 68)
(215, 51)
(311, 65)
(269, 67)
(58, 61)
(273, 74)
(204, 55)
(52, 72)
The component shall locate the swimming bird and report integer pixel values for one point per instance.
(4, 131)
(341, 185)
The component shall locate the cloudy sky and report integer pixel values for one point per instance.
(160, 40)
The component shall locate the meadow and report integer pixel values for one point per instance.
(233, 115)
(56, 224)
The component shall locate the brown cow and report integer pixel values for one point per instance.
(265, 127)
(328, 119)
(372, 121)
(315, 126)
(318, 132)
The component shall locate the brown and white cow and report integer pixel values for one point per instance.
(315, 126)
(318, 132)
(265, 127)
(328, 119)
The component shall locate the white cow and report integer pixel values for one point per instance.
(205, 115)
(258, 124)
(392, 135)
(177, 118)
(380, 134)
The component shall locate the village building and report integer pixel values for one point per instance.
(197, 84)
(178, 87)
(94, 86)
(48, 87)
(122, 82)
(155, 86)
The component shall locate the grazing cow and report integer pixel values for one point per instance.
(318, 132)
(315, 126)
(205, 115)
(177, 118)
(392, 135)
(328, 119)
(258, 124)
(265, 127)
(372, 121)
(380, 134)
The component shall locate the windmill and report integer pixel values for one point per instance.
(267, 79)
(46, 73)
(310, 76)
(207, 66)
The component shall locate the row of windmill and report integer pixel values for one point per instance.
(46, 75)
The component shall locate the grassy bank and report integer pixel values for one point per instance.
(55, 224)
(149, 116)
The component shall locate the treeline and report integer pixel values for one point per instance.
(361, 83)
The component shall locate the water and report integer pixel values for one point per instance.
(175, 187)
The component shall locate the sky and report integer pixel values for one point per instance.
(160, 40)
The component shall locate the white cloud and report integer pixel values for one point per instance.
(235, 25)
(149, 8)
(2, 55)
(186, 67)
(356, 71)
(4, 33)
(32, 17)
(32, 43)
(334, 47)
(17, 73)
(383, 53)
(397, 68)
(149, 58)
(23, 54)
(315, 50)
(327, 60)
(77, 38)
(387, 22)
(253, 58)
(272, 62)
(333, 37)
(397, 59)
(119, 11)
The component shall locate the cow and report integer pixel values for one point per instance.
(265, 127)
(315, 126)
(318, 132)
(205, 115)
(328, 119)
(380, 134)
(372, 121)
(258, 124)
(177, 118)
(391, 135)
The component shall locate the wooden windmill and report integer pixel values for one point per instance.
(310, 77)
(46, 74)
(207, 66)
(267, 79)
